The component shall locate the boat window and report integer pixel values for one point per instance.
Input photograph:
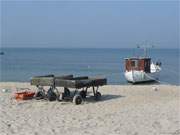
(134, 63)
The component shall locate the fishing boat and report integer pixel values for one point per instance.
(141, 69)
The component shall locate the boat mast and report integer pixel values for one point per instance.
(145, 47)
(145, 51)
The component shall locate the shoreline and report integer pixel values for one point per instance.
(127, 84)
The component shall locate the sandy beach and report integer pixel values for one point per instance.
(123, 110)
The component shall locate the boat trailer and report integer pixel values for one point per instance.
(80, 86)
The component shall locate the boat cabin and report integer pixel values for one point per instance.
(139, 64)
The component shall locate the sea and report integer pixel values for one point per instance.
(20, 64)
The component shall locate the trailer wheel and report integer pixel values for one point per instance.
(67, 92)
(83, 94)
(39, 95)
(51, 95)
(77, 99)
(97, 96)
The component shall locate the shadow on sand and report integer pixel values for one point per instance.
(105, 97)
(145, 83)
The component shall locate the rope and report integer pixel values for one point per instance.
(161, 82)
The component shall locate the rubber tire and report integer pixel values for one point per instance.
(67, 92)
(98, 96)
(51, 95)
(77, 99)
(83, 94)
(39, 95)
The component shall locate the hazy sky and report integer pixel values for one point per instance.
(117, 24)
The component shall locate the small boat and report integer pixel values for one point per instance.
(1, 53)
(24, 95)
(141, 69)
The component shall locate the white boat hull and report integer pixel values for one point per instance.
(141, 76)
(136, 76)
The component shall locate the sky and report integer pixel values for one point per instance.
(89, 24)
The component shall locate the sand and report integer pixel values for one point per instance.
(123, 110)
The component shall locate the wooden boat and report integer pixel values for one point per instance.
(24, 95)
(141, 69)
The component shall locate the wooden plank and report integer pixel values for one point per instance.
(48, 80)
(42, 81)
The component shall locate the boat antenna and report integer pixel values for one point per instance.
(145, 47)
(134, 51)
(145, 51)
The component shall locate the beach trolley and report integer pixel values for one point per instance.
(79, 85)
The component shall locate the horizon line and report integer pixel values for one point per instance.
(86, 47)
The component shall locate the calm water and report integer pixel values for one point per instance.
(20, 64)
